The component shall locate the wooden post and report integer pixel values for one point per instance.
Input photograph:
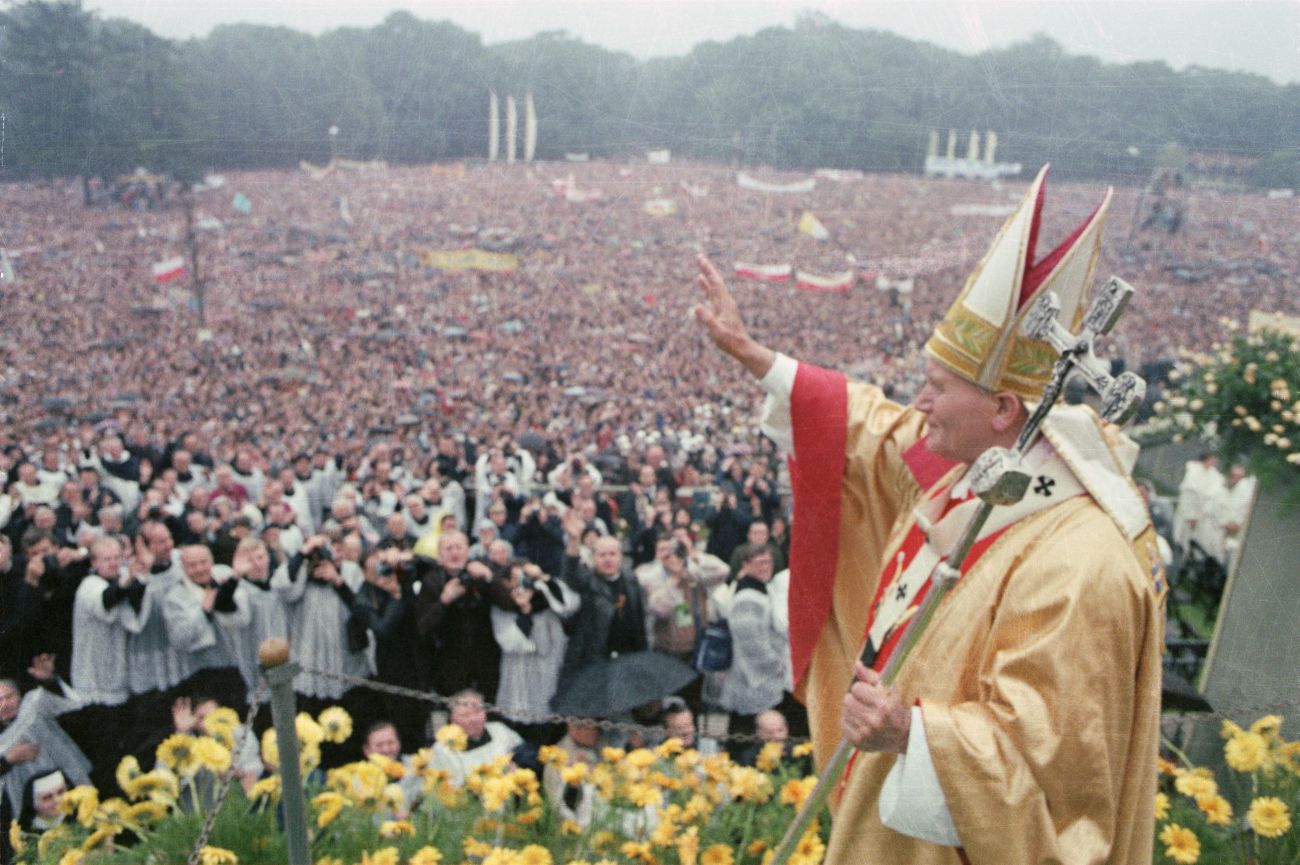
(280, 672)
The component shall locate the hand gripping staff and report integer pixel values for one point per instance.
(999, 477)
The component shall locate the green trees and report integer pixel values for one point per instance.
(85, 96)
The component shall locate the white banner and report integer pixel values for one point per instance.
(839, 175)
(747, 182)
(836, 282)
(530, 128)
(512, 128)
(576, 157)
(658, 157)
(763, 272)
(494, 127)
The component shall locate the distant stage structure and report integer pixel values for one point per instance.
(972, 167)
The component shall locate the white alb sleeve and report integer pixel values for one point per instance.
(911, 800)
(779, 384)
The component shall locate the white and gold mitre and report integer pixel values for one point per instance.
(979, 339)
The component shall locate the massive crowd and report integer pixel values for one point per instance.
(471, 483)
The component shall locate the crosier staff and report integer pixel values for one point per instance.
(998, 477)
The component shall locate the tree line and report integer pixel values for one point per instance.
(82, 95)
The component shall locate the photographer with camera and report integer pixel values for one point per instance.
(317, 588)
(453, 616)
(385, 607)
(532, 642)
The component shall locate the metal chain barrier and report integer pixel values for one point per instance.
(223, 787)
(445, 702)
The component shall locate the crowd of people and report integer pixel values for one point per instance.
(473, 484)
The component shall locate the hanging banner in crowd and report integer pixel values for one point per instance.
(902, 286)
(747, 182)
(839, 175)
(1261, 320)
(344, 213)
(494, 127)
(660, 207)
(838, 282)
(576, 157)
(241, 204)
(7, 272)
(812, 226)
(468, 259)
(456, 169)
(530, 128)
(658, 157)
(696, 190)
(763, 272)
(934, 256)
(573, 195)
(360, 164)
(169, 269)
(315, 172)
(1002, 210)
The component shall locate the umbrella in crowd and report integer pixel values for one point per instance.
(616, 685)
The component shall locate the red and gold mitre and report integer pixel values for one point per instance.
(979, 339)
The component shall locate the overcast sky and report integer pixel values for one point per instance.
(1261, 36)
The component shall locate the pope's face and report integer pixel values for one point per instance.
(959, 415)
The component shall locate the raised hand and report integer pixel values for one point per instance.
(720, 317)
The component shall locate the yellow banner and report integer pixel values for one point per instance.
(456, 169)
(468, 259)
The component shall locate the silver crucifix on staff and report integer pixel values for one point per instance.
(998, 477)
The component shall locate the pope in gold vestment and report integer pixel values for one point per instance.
(1038, 678)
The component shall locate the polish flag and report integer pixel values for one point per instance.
(763, 272)
(838, 282)
(169, 269)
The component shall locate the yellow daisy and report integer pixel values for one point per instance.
(127, 769)
(534, 854)
(383, 856)
(1181, 844)
(1269, 817)
(718, 854)
(336, 723)
(426, 856)
(329, 804)
(177, 753)
(1217, 810)
(452, 736)
(1162, 806)
(1247, 752)
(217, 856)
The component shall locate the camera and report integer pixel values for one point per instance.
(323, 553)
(465, 578)
(527, 582)
(392, 569)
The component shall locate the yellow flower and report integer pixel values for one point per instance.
(602, 839)
(612, 755)
(575, 774)
(1216, 808)
(803, 749)
(1269, 817)
(810, 849)
(160, 785)
(750, 784)
(534, 854)
(217, 856)
(1267, 726)
(329, 860)
(383, 856)
(796, 791)
(395, 828)
(453, 736)
(499, 856)
(1289, 756)
(392, 768)
(1162, 806)
(552, 755)
(101, 834)
(72, 857)
(267, 788)
(270, 748)
(476, 849)
(177, 753)
(756, 847)
(641, 758)
(211, 754)
(221, 718)
(669, 747)
(82, 801)
(309, 732)
(688, 846)
(336, 723)
(49, 838)
(127, 769)
(770, 756)
(640, 851)
(145, 813)
(1181, 844)
(718, 854)
(643, 794)
(329, 804)
(426, 856)
(1247, 752)
(16, 838)
(1194, 785)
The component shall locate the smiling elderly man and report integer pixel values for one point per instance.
(1024, 726)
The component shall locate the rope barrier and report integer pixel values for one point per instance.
(223, 788)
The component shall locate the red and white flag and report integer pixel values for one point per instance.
(169, 269)
(840, 282)
(763, 272)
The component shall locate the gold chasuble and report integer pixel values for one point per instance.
(1039, 676)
